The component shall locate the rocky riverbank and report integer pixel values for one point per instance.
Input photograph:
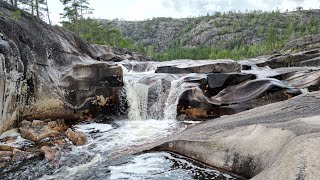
(60, 95)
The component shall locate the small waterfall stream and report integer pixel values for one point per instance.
(137, 97)
(150, 95)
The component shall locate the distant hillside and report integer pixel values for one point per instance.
(256, 31)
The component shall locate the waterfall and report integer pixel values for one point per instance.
(170, 110)
(150, 95)
(137, 97)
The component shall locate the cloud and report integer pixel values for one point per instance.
(209, 6)
(144, 9)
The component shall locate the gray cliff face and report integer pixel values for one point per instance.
(159, 32)
(47, 72)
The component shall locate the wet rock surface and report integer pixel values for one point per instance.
(12, 139)
(49, 152)
(36, 140)
(76, 137)
(159, 86)
(275, 141)
(14, 150)
(188, 66)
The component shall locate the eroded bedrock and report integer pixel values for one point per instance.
(81, 92)
(309, 79)
(47, 72)
(107, 53)
(198, 66)
(221, 94)
(276, 141)
(306, 58)
(136, 66)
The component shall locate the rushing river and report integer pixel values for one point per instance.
(108, 153)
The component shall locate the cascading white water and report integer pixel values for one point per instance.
(163, 107)
(137, 97)
(170, 110)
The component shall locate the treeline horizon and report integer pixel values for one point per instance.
(274, 38)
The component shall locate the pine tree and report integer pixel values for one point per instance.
(74, 10)
(36, 7)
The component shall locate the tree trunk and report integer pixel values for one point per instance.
(32, 7)
(77, 21)
(81, 17)
(81, 9)
(37, 8)
(48, 12)
(15, 3)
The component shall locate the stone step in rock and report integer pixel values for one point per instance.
(134, 66)
(199, 66)
(309, 79)
(107, 53)
(306, 58)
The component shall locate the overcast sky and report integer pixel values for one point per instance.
(144, 9)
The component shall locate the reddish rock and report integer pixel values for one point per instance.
(76, 137)
(5, 158)
(49, 152)
(25, 123)
(11, 140)
(38, 123)
(195, 112)
(7, 144)
(58, 125)
(37, 133)
(19, 155)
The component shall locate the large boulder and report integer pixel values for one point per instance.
(276, 141)
(219, 81)
(243, 93)
(47, 72)
(199, 66)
